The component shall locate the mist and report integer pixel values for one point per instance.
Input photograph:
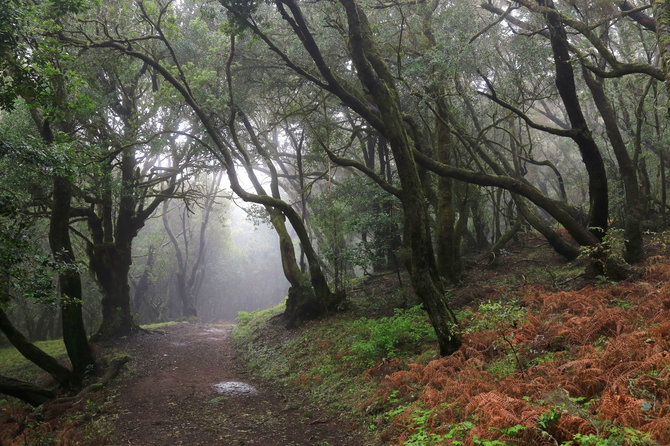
(241, 267)
(244, 270)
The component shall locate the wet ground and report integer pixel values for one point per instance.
(187, 388)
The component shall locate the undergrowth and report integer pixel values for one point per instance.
(593, 369)
(587, 367)
(336, 361)
(161, 325)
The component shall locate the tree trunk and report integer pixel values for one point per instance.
(304, 303)
(448, 254)
(556, 241)
(376, 77)
(186, 296)
(141, 302)
(301, 304)
(111, 265)
(25, 391)
(634, 251)
(69, 282)
(183, 289)
(34, 354)
(591, 157)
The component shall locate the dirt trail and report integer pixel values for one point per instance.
(170, 398)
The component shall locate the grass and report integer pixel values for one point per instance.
(15, 365)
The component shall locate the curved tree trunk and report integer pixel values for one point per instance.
(34, 354)
(303, 302)
(591, 157)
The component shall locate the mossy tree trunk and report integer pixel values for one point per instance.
(69, 281)
(376, 77)
(447, 241)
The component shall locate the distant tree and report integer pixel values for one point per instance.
(190, 246)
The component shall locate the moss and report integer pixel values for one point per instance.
(248, 324)
(161, 325)
(10, 357)
(16, 366)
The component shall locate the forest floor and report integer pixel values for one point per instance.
(170, 398)
(551, 355)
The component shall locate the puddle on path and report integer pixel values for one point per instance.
(235, 388)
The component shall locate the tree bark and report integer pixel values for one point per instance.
(34, 354)
(591, 157)
(25, 391)
(69, 282)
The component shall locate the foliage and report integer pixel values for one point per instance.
(502, 318)
(357, 224)
(387, 336)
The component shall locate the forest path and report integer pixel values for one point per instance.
(169, 397)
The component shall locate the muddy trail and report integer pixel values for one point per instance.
(186, 387)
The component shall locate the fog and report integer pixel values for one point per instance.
(244, 271)
(241, 268)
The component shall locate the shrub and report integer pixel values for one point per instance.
(389, 336)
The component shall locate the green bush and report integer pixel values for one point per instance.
(389, 336)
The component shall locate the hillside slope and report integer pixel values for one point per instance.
(541, 363)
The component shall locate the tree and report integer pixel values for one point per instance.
(306, 303)
(191, 261)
